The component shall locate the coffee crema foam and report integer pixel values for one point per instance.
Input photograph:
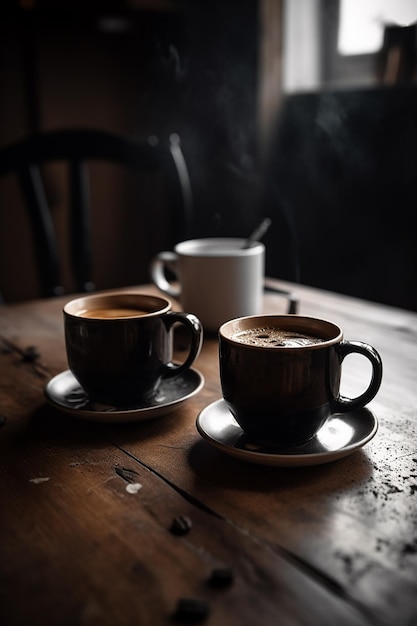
(275, 338)
(106, 313)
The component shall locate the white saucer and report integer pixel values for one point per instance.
(64, 393)
(341, 435)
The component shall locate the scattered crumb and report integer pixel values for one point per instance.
(133, 487)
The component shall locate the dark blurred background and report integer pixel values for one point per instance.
(277, 117)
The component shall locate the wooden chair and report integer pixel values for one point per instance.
(78, 147)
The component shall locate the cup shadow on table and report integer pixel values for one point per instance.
(221, 471)
(208, 464)
(48, 422)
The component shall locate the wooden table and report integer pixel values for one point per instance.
(328, 544)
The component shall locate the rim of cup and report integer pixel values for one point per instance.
(217, 247)
(124, 298)
(329, 332)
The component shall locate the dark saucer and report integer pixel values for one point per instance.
(65, 393)
(341, 435)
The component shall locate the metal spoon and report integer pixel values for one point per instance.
(258, 233)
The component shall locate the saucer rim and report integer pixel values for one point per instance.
(124, 415)
(282, 459)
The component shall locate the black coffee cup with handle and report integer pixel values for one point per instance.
(119, 345)
(280, 375)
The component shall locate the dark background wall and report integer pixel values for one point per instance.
(342, 189)
(138, 69)
(338, 180)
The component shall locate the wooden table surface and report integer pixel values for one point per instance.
(327, 544)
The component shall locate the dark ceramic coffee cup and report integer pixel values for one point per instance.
(119, 345)
(280, 375)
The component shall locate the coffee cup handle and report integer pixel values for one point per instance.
(343, 404)
(196, 330)
(162, 262)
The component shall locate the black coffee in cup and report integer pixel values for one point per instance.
(111, 312)
(269, 337)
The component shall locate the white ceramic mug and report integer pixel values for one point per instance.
(217, 279)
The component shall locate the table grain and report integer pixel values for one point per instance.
(86, 509)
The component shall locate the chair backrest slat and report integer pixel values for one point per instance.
(45, 244)
(185, 184)
(81, 253)
(79, 147)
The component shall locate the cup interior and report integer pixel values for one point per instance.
(326, 331)
(120, 305)
(217, 247)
